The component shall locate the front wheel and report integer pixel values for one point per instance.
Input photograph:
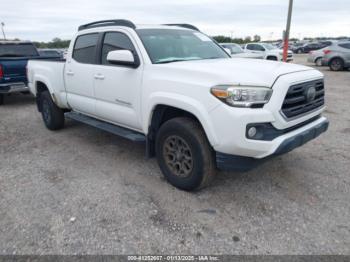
(53, 116)
(184, 154)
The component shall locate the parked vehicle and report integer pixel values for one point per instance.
(306, 48)
(337, 56)
(52, 53)
(315, 57)
(13, 61)
(237, 51)
(175, 89)
(268, 51)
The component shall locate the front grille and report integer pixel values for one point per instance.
(300, 99)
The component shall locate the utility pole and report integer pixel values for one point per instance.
(286, 35)
(2, 29)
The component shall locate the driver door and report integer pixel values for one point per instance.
(118, 87)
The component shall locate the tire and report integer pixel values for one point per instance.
(2, 99)
(336, 64)
(272, 58)
(318, 61)
(299, 51)
(184, 155)
(53, 116)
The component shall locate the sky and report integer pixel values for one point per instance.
(42, 20)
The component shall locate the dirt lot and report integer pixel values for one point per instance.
(84, 191)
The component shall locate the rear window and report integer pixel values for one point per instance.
(18, 50)
(85, 49)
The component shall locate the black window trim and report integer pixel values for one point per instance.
(100, 46)
(75, 42)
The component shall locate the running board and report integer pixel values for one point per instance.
(116, 130)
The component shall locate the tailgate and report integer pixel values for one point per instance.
(14, 70)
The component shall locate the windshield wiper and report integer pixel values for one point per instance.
(171, 61)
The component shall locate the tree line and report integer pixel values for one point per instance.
(56, 43)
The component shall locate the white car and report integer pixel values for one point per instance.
(268, 51)
(176, 90)
(236, 51)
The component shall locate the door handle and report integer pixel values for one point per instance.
(70, 73)
(99, 77)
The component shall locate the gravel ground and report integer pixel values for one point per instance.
(84, 191)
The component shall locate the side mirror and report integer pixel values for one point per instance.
(123, 57)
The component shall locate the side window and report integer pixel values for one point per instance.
(115, 41)
(85, 49)
(347, 46)
(250, 47)
(259, 48)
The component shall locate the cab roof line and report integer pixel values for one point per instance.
(188, 26)
(115, 22)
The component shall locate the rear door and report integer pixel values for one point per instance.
(79, 74)
(118, 87)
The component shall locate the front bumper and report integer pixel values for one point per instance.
(13, 88)
(228, 162)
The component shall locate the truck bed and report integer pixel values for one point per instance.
(49, 72)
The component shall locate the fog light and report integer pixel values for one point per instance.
(252, 132)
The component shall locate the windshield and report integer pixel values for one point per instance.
(269, 46)
(171, 45)
(13, 49)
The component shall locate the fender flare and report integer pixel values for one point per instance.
(181, 102)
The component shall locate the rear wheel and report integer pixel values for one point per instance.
(2, 98)
(52, 115)
(299, 51)
(318, 61)
(272, 58)
(184, 154)
(336, 64)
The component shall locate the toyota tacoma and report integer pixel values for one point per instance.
(177, 91)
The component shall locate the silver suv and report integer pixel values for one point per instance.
(337, 56)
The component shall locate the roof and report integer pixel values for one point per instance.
(129, 24)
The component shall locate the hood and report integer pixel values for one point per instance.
(233, 71)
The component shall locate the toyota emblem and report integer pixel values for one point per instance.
(311, 94)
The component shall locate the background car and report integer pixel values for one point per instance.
(268, 51)
(237, 51)
(316, 56)
(306, 48)
(50, 53)
(337, 56)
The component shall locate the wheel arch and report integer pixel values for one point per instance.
(162, 112)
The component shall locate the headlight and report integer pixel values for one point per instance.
(241, 96)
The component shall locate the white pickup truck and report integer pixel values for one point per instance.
(267, 51)
(176, 90)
